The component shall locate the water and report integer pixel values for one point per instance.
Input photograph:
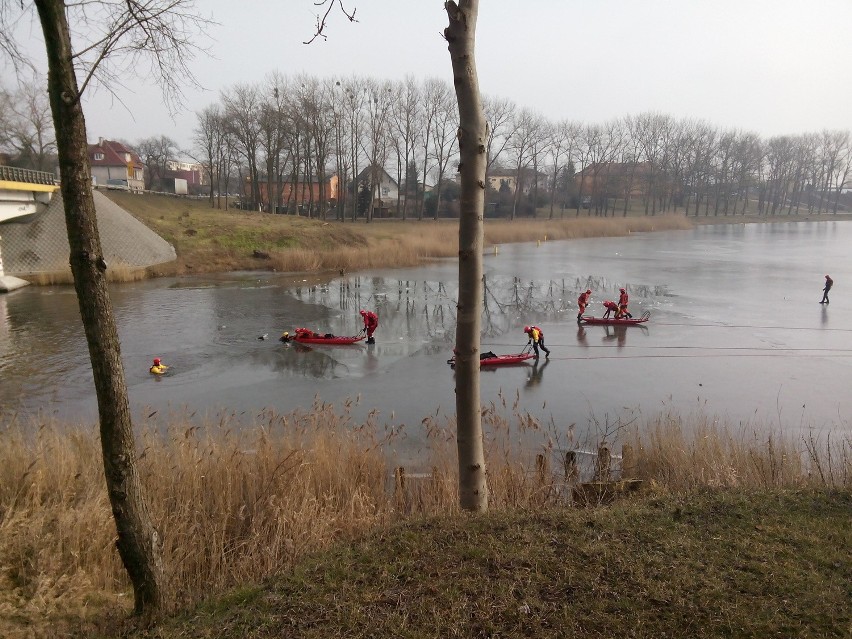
(735, 332)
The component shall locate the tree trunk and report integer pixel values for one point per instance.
(461, 37)
(138, 542)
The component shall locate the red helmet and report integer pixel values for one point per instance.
(589, 291)
(622, 290)
(156, 361)
(526, 329)
(363, 312)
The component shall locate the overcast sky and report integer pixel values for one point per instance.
(768, 66)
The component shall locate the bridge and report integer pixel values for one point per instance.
(34, 240)
(22, 193)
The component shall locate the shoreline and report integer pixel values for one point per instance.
(211, 241)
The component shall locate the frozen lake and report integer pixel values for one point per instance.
(736, 331)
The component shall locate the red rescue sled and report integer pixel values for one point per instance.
(499, 360)
(335, 340)
(611, 321)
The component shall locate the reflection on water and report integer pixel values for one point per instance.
(536, 374)
(706, 345)
(616, 333)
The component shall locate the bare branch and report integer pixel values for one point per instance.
(120, 39)
(322, 20)
(11, 15)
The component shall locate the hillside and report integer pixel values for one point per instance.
(715, 564)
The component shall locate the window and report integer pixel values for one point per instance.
(385, 191)
(99, 156)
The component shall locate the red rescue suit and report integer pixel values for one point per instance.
(611, 307)
(582, 301)
(622, 305)
(371, 322)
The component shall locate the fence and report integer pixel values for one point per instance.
(583, 478)
(13, 174)
(41, 246)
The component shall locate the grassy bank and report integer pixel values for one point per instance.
(713, 565)
(213, 240)
(238, 506)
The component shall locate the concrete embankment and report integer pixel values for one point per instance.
(40, 247)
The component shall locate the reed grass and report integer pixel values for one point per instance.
(236, 503)
(579, 228)
(413, 243)
(115, 273)
(216, 241)
(209, 240)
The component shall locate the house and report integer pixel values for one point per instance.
(614, 179)
(299, 192)
(384, 188)
(192, 172)
(113, 164)
(502, 179)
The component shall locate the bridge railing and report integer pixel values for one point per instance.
(14, 174)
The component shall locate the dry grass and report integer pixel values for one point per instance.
(580, 228)
(699, 452)
(115, 273)
(213, 240)
(236, 504)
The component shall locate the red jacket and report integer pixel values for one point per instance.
(622, 301)
(371, 320)
(583, 299)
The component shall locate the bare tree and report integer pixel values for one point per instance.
(378, 106)
(561, 138)
(405, 113)
(599, 145)
(270, 120)
(433, 90)
(525, 126)
(205, 136)
(843, 167)
(835, 145)
(472, 134)
(355, 96)
(318, 117)
(538, 152)
(26, 127)
(499, 113)
(160, 30)
(242, 113)
(337, 97)
(155, 152)
(444, 139)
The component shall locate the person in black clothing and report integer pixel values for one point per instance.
(828, 284)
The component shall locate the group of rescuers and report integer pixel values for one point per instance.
(371, 323)
(534, 333)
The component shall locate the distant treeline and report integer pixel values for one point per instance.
(350, 147)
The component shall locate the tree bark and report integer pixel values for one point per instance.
(461, 38)
(138, 541)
